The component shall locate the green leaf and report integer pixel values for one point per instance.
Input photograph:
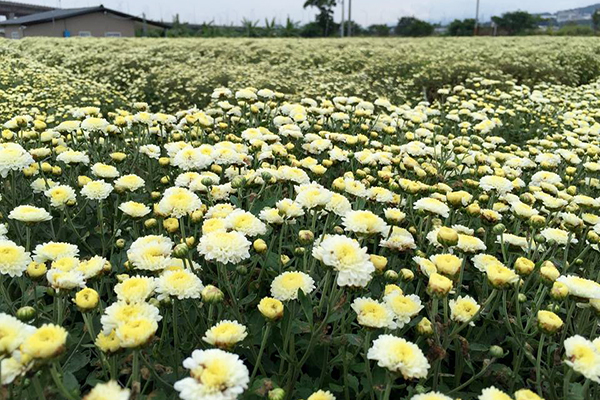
(305, 302)
(77, 362)
(70, 382)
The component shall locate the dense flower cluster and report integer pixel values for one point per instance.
(271, 244)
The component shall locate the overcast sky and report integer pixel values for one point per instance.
(365, 12)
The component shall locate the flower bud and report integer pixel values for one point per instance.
(524, 266)
(548, 322)
(260, 246)
(438, 285)
(537, 221)
(424, 327)
(238, 182)
(379, 262)
(164, 161)
(150, 223)
(271, 309)
(26, 313)
(496, 351)
(171, 225)
(181, 250)
(407, 275)
(284, 259)
(447, 236)
(390, 276)
(241, 269)
(473, 209)
(306, 237)
(299, 251)
(86, 299)
(559, 291)
(498, 229)
(549, 272)
(120, 243)
(277, 394)
(522, 298)
(212, 294)
(36, 270)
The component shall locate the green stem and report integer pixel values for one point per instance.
(263, 344)
(38, 388)
(59, 384)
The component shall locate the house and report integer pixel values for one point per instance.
(87, 21)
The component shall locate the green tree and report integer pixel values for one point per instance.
(324, 19)
(516, 22)
(290, 29)
(413, 27)
(378, 30)
(596, 20)
(464, 27)
(179, 29)
(250, 27)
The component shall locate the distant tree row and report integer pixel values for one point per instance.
(511, 23)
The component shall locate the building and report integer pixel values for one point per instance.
(88, 21)
(11, 9)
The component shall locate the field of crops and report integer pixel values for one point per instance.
(368, 219)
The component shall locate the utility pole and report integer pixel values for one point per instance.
(342, 24)
(476, 30)
(349, 17)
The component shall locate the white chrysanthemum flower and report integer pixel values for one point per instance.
(400, 240)
(286, 285)
(225, 334)
(312, 195)
(12, 333)
(177, 202)
(497, 183)
(179, 283)
(246, 223)
(339, 205)
(29, 214)
(321, 395)
(61, 196)
(92, 267)
(431, 396)
(433, 206)
(399, 355)
(135, 289)
(134, 209)
(463, 309)
(492, 393)
(373, 314)
(364, 222)
(583, 356)
(558, 236)
(13, 157)
(73, 157)
(97, 190)
(120, 312)
(110, 390)
(150, 150)
(345, 255)
(51, 251)
(289, 208)
(13, 259)
(404, 307)
(13, 367)
(581, 287)
(224, 247)
(470, 244)
(271, 215)
(65, 280)
(193, 158)
(214, 374)
(105, 171)
(95, 124)
(151, 253)
(129, 182)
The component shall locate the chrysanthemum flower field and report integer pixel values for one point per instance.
(288, 219)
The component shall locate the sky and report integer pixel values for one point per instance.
(365, 12)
